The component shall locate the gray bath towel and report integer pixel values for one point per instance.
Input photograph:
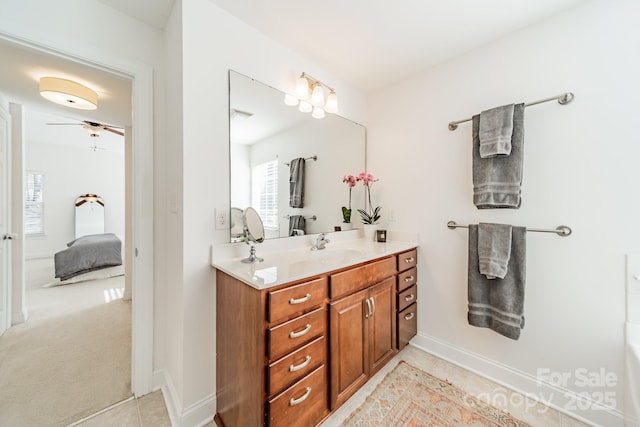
(497, 180)
(498, 304)
(296, 183)
(296, 222)
(496, 128)
(494, 249)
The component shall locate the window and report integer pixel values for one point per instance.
(33, 204)
(264, 193)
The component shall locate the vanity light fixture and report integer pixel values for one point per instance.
(69, 93)
(310, 97)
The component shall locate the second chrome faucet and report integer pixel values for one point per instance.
(321, 242)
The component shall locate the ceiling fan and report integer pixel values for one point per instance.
(94, 128)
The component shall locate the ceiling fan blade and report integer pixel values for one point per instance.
(117, 132)
(101, 125)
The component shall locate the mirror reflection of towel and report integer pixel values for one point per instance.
(296, 183)
(296, 222)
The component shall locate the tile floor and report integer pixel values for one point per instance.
(150, 410)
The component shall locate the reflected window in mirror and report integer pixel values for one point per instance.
(268, 129)
(264, 193)
(33, 204)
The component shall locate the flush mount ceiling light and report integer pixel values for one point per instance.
(69, 93)
(310, 97)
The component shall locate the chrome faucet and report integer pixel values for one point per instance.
(321, 242)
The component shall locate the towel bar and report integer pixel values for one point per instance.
(313, 217)
(561, 230)
(314, 158)
(563, 99)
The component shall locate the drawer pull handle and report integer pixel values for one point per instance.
(294, 402)
(409, 279)
(409, 260)
(409, 316)
(300, 333)
(294, 368)
(409, 297)
(368, 313)
(305, 298)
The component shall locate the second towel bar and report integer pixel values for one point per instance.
(561, 230)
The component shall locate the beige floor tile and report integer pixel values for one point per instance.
(124, 415)
(153, 411)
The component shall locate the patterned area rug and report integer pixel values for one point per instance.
(409, 397)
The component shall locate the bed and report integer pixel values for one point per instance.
(86, 254)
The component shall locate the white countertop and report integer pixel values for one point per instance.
(287, 263)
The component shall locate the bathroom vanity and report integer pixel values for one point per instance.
(300, 333)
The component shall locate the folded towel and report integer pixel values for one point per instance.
(496, 128)
(296, 183)
(297, 223)
(498, 304)
(494, 249)
(497, 180)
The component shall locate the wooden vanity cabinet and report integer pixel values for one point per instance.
(407, 291)
(288, 355)
(363, 326)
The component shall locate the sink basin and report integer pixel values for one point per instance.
(323, 259)
(330, 253)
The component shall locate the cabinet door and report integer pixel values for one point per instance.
(382, 323)
(349, 335)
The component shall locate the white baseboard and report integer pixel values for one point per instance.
(559, 398)
(196, 415)
(38, 255)
(19, 316)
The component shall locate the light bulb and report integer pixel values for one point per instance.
(318, 113)
(290, 100)
(302, 88)
(332, 103)
(317, 96)
(305, 107)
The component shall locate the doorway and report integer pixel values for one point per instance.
(139, 209)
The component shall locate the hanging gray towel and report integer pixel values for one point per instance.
(296, 183)
(497, 180)
(494, 249)
(296, 222)
(498, 304)
(496, 129)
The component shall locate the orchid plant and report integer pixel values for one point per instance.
(368, 215)
(350, 180)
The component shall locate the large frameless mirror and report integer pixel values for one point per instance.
(266, 137)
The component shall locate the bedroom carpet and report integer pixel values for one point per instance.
(58, 371)
(71, 358)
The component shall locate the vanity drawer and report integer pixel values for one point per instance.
(296, 365)
(353, 280)
(407, 259)
(286, 337)
(407, 297)
(303, 404)
(407, 325)
(406, 279)
(297, 299)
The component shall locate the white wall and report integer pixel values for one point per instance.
(74, 172)
(580, 170)
(213, 43)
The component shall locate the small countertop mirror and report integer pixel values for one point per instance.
(253, 233)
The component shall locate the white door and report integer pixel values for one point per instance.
(5, 232)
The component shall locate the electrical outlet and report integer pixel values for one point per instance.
(222, 218)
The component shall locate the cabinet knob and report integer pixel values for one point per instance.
(410, 297)
(409, 260)
(409, 316)
(409, 279)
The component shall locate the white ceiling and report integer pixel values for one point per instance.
(19, 82)
(373, 43)
(152, 12)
